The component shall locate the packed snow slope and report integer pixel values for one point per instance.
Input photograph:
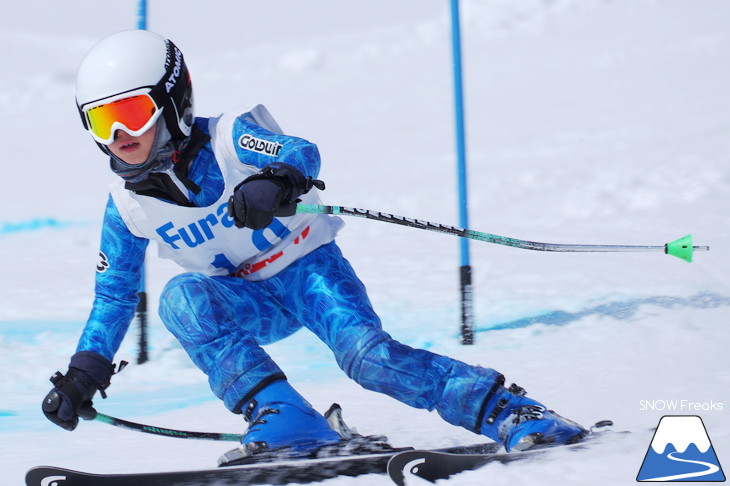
(588, 121)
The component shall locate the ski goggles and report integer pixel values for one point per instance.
(134, 112)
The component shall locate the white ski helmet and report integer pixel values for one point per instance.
(127, 64)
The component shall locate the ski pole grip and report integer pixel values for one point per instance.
(87, 412)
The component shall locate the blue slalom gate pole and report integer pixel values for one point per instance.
(142, 353)
(142, 15)
(467, 313)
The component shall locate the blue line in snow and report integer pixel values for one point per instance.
(35, 224)
(621, 310)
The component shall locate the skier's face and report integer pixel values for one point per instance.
(133, 150)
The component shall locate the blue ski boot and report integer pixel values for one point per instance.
(519, 422)
(280, 419)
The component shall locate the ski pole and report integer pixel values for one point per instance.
(92, 414)
(681, 248)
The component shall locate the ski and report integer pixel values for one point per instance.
(281, 471)
(354, 456)
(433, 465)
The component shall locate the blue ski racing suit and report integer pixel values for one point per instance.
(246, 288)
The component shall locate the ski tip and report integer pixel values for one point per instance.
(683, 248)
(46, 476)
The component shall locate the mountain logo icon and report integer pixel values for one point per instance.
(681, 451)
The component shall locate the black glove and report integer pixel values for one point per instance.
(273, 191)
(72, 394)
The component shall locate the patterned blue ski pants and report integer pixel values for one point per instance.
(223, 321)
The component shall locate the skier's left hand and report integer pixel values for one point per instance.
(271, 192)
(72, 393)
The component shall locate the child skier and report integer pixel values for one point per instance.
(219, 196)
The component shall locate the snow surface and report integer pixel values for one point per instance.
(589, 121)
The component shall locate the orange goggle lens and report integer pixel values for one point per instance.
(134, 113)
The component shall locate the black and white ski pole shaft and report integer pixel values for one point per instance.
(142, 354)
(92, 414)
(681, 248)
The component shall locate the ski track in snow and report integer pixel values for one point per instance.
(588, 121)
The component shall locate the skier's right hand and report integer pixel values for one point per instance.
(273, 191)
(72, 393)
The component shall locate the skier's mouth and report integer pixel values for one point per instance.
(128, 147)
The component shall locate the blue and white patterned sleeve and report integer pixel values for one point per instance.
(259, 147)
(118, 278)
(303, 155)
